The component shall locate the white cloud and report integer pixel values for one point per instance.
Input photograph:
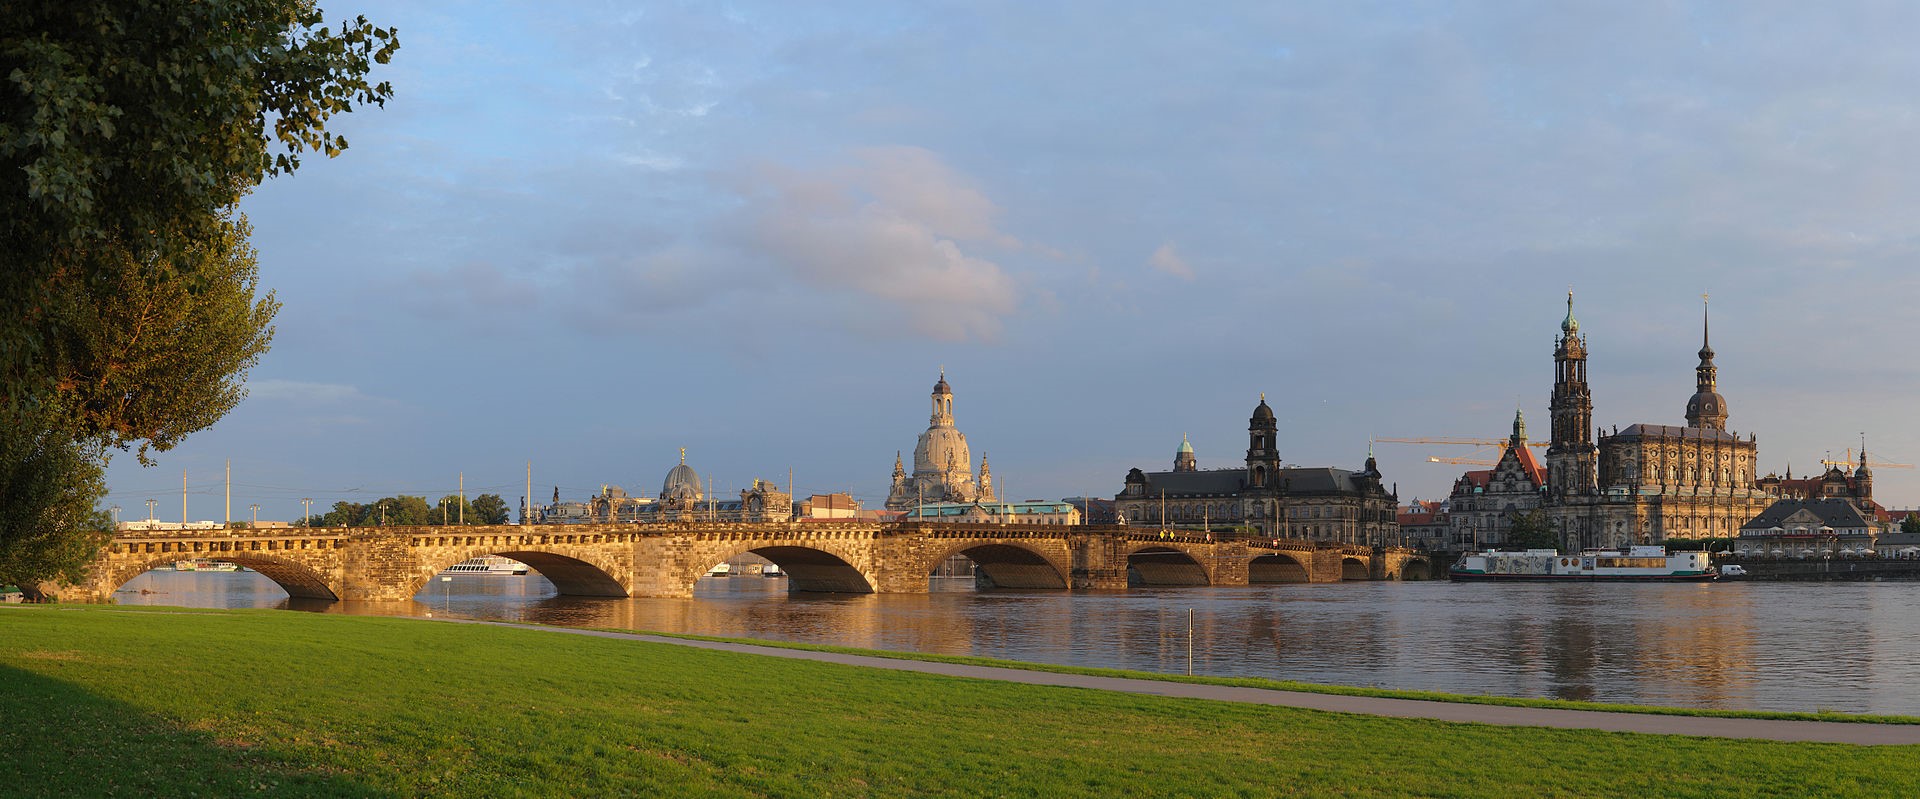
(1168, 260)
(298, 390)
(900, 227)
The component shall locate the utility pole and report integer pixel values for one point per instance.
(183, 498)
(228, 521)
(526, 507)
(306, 511)
(255, 508)
(150, 504)
(463, 499)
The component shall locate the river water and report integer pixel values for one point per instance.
(1851, 647)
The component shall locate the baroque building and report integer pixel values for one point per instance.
(1262, 496)
(942, 464)
(1648, 482)
(1483, 502)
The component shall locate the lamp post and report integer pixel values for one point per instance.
(150, 504)
(116, 515)
(306, 511)
(255, 509)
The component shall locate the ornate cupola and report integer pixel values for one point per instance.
(1863, 477)
(1706, 408)
(1572, 456)
(1263, 457)
(1183, 460)
(1519, 437)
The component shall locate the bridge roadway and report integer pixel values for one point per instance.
(664, 560)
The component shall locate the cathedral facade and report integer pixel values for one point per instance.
(1263, 497)
(1648, 482)
(942, 464)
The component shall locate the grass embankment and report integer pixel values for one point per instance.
(102, 701)
(1305, 687)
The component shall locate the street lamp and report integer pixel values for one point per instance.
(150, 504)
(256, 513)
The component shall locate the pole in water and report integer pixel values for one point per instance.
(1189, 642)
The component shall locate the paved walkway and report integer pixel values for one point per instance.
(1766, 729)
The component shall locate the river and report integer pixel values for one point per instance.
(1852, 647)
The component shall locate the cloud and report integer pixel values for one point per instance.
(897, 226)
(1168, 260)
(302, 391)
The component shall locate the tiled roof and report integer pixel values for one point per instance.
(1531, 463)
(1835, 513)
(1675, 431)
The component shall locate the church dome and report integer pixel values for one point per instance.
(942, 387)
(1185, 448)
(1707, 405)
(682, 482)
(1263, 413)
(938, 447)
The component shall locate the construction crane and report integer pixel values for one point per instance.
(1470, 442)
(1851, 462)
(1460, 461)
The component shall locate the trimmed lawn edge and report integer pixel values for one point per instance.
(1290, 685)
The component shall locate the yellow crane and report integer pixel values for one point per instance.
(1456, 440)
(1851, 462)
(1461, 461)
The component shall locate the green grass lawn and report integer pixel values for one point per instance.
(138, 702)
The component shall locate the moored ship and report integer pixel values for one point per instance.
(1635, 564)
(487, 564)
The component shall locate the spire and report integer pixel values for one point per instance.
(683, 456)
(1706, 349)
(1570, 325)
(1519, 428)
(1706, 409)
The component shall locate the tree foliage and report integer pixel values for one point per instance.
(129, 299)
(405, 509)
(1911, 524)
(49, 525)
(1532, 530)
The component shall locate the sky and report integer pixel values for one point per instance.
(584, 235)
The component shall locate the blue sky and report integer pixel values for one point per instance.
(585, 235)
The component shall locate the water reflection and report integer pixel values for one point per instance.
(1776, 646)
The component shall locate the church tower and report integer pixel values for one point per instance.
(1571, 457)
(1183, 460)
(1706, 408)
(1263, 457)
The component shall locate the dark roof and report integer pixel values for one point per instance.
(1674, 431)
(1297, 480)
(1836, 513)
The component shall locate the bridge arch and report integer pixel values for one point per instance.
(299, 580)
(812, 566)
(1165, 564)
(1006, 564)
(1414, 568)
(1278, 567)
(570, 574)
(1353, 568)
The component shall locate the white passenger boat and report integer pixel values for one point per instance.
(1635, 564)
(487, 564)
(204, 565)
(722, 570)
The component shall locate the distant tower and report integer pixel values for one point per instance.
(1263, 459)
(1183, 458)
(1571, 456)
(1519, 437)
(1706, 408)
(1863, 479)
(986, 481)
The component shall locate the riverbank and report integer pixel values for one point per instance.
(106, 700)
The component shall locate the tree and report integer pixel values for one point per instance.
(49, 525)
(1532, 530)
(487, 509)
(129, 131)
(1911, 524)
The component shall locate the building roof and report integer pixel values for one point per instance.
(1531, 463)
(1479, 478)
(1674, 431)
(1220, 482)
(1835, 513)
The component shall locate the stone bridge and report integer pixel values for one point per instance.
(664, 560)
